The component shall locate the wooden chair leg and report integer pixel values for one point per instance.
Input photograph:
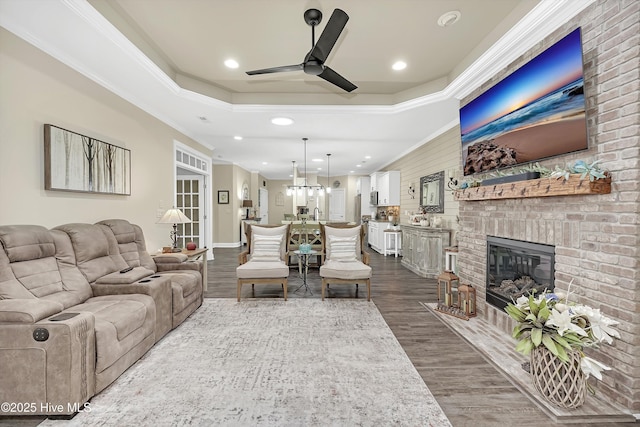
(368, 289)
(324, 285)
(284, 286)
(239, 289)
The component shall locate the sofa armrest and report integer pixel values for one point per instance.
(171, 258)
(188, 265)
(49, 364)
(157, 287)
(365, 257)
(243, 257)
(27, 310)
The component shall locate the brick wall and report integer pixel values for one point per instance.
(597, 236)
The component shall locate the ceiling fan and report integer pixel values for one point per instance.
(314, 60)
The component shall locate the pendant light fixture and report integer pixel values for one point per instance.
(300, 189)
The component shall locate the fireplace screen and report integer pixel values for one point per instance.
(516, 268)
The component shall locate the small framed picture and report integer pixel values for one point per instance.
(223, 197)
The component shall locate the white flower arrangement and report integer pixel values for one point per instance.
(550, 320)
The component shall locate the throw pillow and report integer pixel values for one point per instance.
(266, 248)
(343, 248)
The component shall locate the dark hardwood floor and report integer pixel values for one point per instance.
(468, 388)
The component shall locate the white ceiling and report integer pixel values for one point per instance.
(166, 57)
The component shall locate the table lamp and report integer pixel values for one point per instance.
(247, 204)
(174, 216)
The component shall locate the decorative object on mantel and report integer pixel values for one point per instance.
(555, 331)
(543, 187)
(524, 176)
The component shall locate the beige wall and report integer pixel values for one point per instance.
(36, 89)
(276, 213)
(440, 154)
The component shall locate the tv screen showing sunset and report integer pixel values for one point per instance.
(536, 112)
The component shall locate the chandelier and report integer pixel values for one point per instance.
(301, 189)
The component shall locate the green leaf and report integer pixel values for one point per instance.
(557, 338)
(536, 336)
(524, 346)
(550, 344)
(544, 314)
(531, 317)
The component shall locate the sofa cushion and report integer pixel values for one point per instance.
(121, 323)
(266, 270)
(26, 242)
(91, 247)
(345, 270)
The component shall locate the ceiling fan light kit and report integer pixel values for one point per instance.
(313, 63)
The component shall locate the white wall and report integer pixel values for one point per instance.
(36, 89)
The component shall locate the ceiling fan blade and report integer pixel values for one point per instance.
(282, 69)
(330, 35)
(332, 77)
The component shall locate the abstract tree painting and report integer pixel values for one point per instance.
(75, 162)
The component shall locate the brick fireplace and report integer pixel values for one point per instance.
(595, 237)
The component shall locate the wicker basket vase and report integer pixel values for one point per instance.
(562, 384)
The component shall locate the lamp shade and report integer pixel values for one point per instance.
(174, 216)
(247, 203)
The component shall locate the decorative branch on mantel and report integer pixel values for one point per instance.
(543, 187)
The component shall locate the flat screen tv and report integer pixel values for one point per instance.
(536, 112)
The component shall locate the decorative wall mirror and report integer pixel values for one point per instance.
(432, 192)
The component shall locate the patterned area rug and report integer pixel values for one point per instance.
(267, 362)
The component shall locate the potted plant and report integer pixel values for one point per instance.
(555, 332)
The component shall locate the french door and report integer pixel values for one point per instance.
(189, 199)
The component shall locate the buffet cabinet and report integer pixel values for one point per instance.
(423, 249)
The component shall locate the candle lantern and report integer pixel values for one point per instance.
(446, 281)
(467, 300)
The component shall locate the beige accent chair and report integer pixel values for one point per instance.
(264, 261)
(345, 262)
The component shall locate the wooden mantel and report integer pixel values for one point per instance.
(543, 187)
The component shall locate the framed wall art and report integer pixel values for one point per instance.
(75, 162)
(223, 197)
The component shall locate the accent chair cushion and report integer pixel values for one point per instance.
(345, 270)
(330, 232)
(256, 231)
(262, 270)
(266, 248)
(343, 248)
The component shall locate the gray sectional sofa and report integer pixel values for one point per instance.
(71, 321)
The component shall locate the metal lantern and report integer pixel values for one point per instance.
(467, 300)
(446, 287)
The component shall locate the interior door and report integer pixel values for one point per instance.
(189, 198)
(263, 204)
(337, 208)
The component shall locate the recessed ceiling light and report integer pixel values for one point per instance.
(319, 169)
(351, 171)
(367, 157)
(237, 138)
(317, 160)
(358, 166)
(231, 63)
(399, 65)
(264, 163)
(282, 121)
(449, 18)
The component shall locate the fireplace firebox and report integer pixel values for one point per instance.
(516, 268)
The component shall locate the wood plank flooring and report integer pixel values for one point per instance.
(468, 388)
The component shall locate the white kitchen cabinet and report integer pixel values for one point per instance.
(389, 188)
(376, 234)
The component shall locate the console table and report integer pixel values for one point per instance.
(423, 249)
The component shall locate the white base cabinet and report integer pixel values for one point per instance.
(423, 249)
(376, 235)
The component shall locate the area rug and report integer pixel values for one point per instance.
(264, 362)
